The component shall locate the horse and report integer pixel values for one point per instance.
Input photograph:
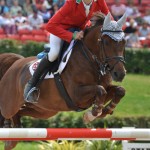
(95, 62)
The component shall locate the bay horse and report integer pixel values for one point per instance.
(95, 62)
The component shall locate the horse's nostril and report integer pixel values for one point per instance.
(118, 76)
(115, 74)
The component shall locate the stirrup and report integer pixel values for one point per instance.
(33, 95)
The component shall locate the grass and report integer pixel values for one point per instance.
(137, 99)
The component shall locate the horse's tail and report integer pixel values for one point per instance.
(6, 61)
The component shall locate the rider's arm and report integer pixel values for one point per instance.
(55, 25)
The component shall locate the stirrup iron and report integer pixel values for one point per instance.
(34, 93)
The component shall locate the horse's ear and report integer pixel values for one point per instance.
(107, 20)
(122, 20)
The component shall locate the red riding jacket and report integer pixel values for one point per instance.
(72, 15)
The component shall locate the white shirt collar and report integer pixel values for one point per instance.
(87, 6)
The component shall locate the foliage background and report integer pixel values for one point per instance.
(137, 61)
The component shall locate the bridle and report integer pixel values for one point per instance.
(117, 58)
(103, 65)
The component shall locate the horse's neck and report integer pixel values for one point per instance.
(91, 40)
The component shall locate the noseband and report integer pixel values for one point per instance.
(103, 65)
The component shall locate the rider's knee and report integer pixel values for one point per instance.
(52, 55)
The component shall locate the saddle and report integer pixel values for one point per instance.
(61, 54)
(59, 64)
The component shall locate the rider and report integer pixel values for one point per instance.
(74, 14)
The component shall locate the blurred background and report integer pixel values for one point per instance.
(25, 19)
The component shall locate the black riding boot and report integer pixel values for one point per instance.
(31, 91)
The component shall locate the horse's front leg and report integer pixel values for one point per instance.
(114, 95)
(99, 94)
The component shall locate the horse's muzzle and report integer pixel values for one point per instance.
(118, 76)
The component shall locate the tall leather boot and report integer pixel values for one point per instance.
(31, 91)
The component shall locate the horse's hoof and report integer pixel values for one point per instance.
(105, 112)
(88, 117)
(112, 113)
(102, 116)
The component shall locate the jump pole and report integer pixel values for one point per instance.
(26, 134)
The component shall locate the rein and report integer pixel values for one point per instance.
(101, 66)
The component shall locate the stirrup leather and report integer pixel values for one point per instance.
(34, 93)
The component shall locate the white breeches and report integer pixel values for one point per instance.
(55, 46)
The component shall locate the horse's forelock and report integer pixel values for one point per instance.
(99, 22)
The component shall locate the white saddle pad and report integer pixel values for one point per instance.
(62, 64)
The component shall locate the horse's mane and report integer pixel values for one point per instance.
(99, 22)
(6, 61)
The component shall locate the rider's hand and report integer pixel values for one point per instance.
(78, 35)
